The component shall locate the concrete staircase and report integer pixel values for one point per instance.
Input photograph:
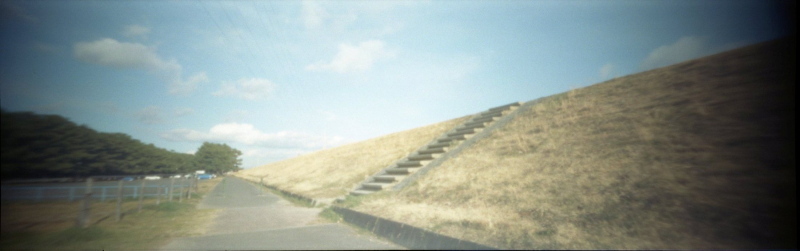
(390, 176)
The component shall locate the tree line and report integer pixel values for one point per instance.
(47, 146)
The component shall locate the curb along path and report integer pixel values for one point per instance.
(252, 219)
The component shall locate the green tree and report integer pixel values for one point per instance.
(39, 146)
(217, 158)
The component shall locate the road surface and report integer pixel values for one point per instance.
(255, 219)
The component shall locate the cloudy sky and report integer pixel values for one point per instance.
(276, 79)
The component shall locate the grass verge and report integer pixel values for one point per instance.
(49, 226)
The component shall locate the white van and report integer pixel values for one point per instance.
(152, 177)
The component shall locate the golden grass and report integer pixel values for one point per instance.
(333, 172)
(49, 225)
(695, 155)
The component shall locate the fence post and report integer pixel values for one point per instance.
(71, 194)
(141, 195)
(189, 193)
(85, 212)
(171, 187)
(158, 196)
(119, 201)
(180, 196)
(103, 195)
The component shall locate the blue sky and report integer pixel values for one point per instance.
(276, 79)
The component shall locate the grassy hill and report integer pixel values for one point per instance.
(695, 155)
(334, 172)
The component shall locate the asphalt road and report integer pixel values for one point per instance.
(253, 219)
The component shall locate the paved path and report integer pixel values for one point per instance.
(252, 219)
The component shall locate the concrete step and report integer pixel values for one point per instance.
(463, 132)
(388, 178)
(492, 114)
(505, 107)
(453, 138)
(473, 126)
(376, 186)
(423, 157)
(412, 163)
(476, 127)
(433, 150)
(439, 145)
(360, 192)
(401, 170)
(481, 120)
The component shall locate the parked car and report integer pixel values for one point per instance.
(205, 176)
(128, 179)
(177, 176)
(152, 177)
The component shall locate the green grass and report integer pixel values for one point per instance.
(351, 201)
(50, 226)
(330, 215)
(171, 207)
(153, 227)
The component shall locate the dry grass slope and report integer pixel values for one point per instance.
(333, 172)
(694, 155)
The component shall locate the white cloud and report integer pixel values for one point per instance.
(606, 71)
(354, 58)
(686, 48)
(136, 31)
(150, 115)
(313, 14)
(248, 89)
(183, 87)
(110, 52)
(247, 134)
(316, 17)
